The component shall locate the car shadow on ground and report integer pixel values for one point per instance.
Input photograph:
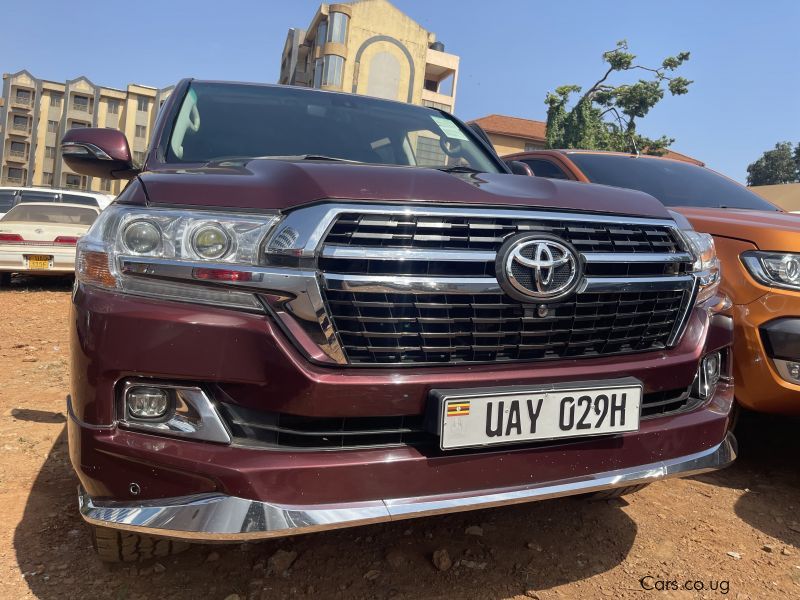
(767, 474)
(49, 283)
(524, 547)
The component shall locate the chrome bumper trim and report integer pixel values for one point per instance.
(217, 517)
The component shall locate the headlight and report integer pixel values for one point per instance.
(125, 243)
(211, 241)
(141, 237)
(775, 269)
(706, 264)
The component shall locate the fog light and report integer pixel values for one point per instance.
(147, 402)
(794, 370)
(789, 370)
(710, 370)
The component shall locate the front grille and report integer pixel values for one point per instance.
(444, 328)
(283, 431)
(402, 288)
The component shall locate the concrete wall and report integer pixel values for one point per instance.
(505, 144)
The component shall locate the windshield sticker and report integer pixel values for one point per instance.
(449, 128)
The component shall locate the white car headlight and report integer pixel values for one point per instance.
(775, 269)
(213, 246)
(706, 264)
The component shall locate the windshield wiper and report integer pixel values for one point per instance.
(459, 169)
(224, 159)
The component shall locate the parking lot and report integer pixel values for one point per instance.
(737, 530)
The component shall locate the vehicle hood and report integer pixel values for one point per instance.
(768, 230)
(274, 184)
(42, 232)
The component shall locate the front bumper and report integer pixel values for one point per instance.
(760, 385)
(219, 517)
(62, 259)
(188, 488)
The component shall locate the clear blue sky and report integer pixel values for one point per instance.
(745, 55)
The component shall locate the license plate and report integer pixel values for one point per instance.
(39, 262)
(471, 418)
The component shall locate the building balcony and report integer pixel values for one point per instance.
(437, 100)
(20, 128)
(14, 180)
(438, 60)
(21, 101)
(19, 156)
(81, 108)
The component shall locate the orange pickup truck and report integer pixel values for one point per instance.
(757, 243)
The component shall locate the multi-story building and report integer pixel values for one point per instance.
(35, 113)
(370, 47)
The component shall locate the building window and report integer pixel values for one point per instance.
(80, 103)
(113, 107)
(47, 178)
(55, 99)
(322, 32)
(318, 73)
(50, 152)
(52, 127)
(18, 149)
(78, 125)
(23, 97)
(73, 181)
(138, 157)
(141, 131)
(105, 185)
(143, 104)
(338, 29)
(333, 67)
(20, 123)
(15, 174)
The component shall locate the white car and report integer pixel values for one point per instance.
(40, 237)
(11, 196)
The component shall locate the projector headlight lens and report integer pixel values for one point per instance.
(142, 237)
(211, 241)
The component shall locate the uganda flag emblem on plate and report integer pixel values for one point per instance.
(457, 408)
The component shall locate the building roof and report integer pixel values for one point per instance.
(785, 195)
(513, 126)
(536, 131)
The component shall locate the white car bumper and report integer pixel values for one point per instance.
(23, 259)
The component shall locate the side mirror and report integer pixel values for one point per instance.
(519, 168)
(98, 153)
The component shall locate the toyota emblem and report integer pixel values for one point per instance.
(534, 267)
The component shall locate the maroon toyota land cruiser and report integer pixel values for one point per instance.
(310, 310)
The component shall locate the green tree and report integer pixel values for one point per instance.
(779, 165)
(604, 117)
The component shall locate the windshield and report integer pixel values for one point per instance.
(66, 215)
(219, 121)
(6, 200)
(674, 183)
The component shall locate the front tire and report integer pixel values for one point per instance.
(116, 546)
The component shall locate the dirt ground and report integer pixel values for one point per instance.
(736, 531)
